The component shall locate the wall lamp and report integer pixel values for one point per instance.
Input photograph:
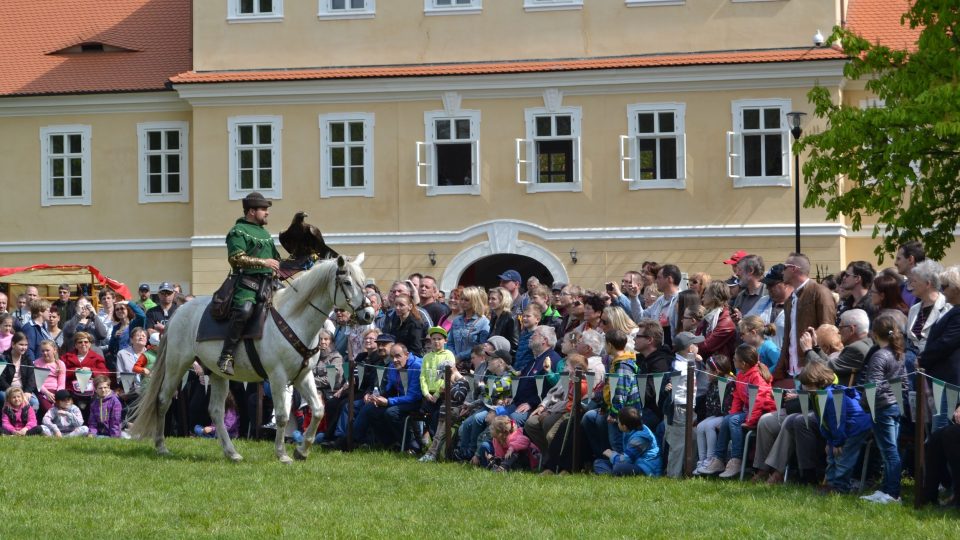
(573, 255)
(433, 257)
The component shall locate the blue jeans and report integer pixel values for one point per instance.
(886, 429)
(839, 469)
(601, 434)
(624, 468)
(341, 429)
(732, 434)
(938, 421)
(470, 430)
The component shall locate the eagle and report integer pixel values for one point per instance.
(303, 240)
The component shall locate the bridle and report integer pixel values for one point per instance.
(342, 279)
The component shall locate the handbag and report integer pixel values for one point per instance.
(222, 300)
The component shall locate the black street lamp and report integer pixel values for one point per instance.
(795, 129)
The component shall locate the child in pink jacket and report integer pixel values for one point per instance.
(511, 446)
(18, 417)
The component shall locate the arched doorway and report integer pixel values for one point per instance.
(483, 272)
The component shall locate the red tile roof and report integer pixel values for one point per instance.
(157, 34)
(520, 66)
(879, 21)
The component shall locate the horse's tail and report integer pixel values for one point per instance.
(146, 421)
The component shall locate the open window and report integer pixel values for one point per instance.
(448, 162)
(653, 153)
(548, 159)
(758, 148)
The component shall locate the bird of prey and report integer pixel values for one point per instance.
(303, 240)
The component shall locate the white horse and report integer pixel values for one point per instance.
(304, 304)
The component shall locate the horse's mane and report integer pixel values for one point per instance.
(307, 284)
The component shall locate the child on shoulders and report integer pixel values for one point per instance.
(641, 455)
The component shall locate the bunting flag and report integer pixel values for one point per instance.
(778, 397)
(205, 381)
(896, 386)
(514, 384)
(39, 375)
(564, 380)
(658, 384)
(332, 375)
(3, 366)
(612, 380)
(822, 403)
(379, 380)
(804, 398)
(361, 371)
(591, 381)
(838, 405)
(642, 386)
(953, 394)
(938, 387)
(796, 385)
(752, 391)
(539, 381)
(127, 380)
(722, 390)
(870, 390)
(244, 386)
(676, 381)
(83, 378)
(404, 378)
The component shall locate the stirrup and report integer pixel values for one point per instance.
(225, 363)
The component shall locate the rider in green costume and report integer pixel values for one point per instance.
(253, 255)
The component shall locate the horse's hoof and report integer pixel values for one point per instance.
(163, 452)
(298, 455)
(286, 460)
(236, 458)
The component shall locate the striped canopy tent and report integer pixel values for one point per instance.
(73, 274)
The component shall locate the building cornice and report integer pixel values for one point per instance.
(827, 73)
(106, 103)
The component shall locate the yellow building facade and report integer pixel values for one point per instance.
(575, 139)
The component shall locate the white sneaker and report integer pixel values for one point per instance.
(732, 469)
(712, 466)
(880, 497)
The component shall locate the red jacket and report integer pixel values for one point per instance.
(93, 361)
(741, 397)
(722, 339)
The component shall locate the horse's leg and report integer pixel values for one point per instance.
(308, 391)
(281, 409)
(219, 387)
(169, 387)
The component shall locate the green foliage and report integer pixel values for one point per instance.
(100, 488)
(900, 163)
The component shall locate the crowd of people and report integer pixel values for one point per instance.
(792, 376)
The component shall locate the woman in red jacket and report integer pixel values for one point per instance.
(717, 327)
(84, 358)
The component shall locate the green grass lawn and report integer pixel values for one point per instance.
(120, 489)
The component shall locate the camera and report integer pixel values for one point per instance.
(818, 39)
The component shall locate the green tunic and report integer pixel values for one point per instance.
(255, 241)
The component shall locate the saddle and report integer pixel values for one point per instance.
(214, 330)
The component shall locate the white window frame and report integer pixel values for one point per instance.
(735, 161)
(430, 7)
(551, 5)
(532, 167)
(234, 15)
(646, 3)
(326, 11)
(630, 146)
(327, 189)
(427, 166)
(276, 124)
(144, 152)
(46, 172)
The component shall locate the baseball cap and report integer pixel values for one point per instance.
(510, 275)
(685, 339)
(503, 355)
(735, 258)
(165, 287)
(386, 338)
(499, 343)
(774, 275)
(144, 287)
(732, 281)
(557, 286)
(437, 330)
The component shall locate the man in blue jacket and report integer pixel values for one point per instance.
(384, 414)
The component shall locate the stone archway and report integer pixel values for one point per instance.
(502, 240)
(484, 272)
